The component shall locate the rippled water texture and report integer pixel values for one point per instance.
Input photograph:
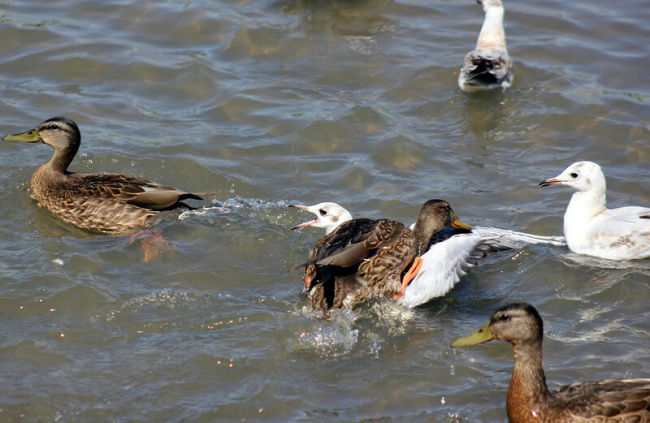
(270, 103)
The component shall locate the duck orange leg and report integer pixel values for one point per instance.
(153, 243)
(307, 280)
(408, 277)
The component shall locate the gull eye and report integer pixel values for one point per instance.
(322, 212)
(574, 175)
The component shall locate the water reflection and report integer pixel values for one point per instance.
(484, 112)
(341, 17)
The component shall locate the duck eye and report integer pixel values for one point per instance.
(504, 318)
(322, 212)
(574, 175)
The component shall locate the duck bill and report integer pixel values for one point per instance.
(29, 136)
(550, 182)
(305, 209)
(458, 224)
(478, 337)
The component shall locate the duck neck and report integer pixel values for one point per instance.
(61, 159)
(528, 388)
(492, 34)
(423, 234)
(52, 173)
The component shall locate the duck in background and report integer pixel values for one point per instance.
(488, 65)
(529, 400)
(590, 227)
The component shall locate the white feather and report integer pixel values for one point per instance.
(447, 262)
(443, 266)
(513, 239)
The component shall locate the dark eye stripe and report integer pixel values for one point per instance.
(55, 127)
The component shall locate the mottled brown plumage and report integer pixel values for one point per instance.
(529, 400)
(102, 202)
(360, 260)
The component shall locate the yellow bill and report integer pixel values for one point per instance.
(458, 224)
(29, 136)
(478, 337)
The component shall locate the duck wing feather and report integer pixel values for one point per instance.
(128, 189)
(620, 400)
(444, 264)
(354, 241)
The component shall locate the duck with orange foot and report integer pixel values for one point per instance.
(361, 259)
(100, 202)
(449, 248)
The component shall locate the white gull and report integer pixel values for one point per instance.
(488, 65)
(590, 227)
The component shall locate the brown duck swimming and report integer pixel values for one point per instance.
(101, 202)
(529, 400)
(360, 259)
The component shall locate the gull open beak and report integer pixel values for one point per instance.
(305, 209)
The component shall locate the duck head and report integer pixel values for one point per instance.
(60, 133)
(434, 216)
(517, 323)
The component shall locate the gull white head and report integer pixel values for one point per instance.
(581, 176)
(328, 216)
(490, 4)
